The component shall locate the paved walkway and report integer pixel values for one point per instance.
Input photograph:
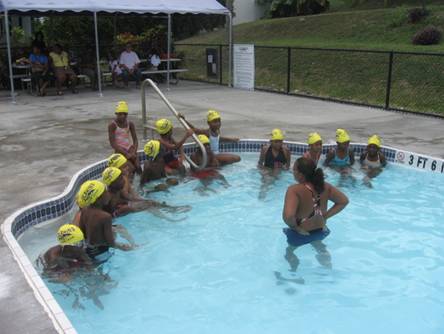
(44, 141)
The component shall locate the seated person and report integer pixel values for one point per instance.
(122, 136)
(69, 254)
(212, 163)
(114, 67)
(119, 161)
(213, 134)
(39, 68)
(95, 222)
(275, 155)
(372, 159)
(168, 146)
(343, 157)
(314, 147)
(62, 70)
(120, 205)
(88, 67)
(129, 64)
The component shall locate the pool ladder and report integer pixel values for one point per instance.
(147, 126)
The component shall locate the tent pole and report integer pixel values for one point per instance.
(230, 48)
(8, 42)
(169, 52)
(99, 75)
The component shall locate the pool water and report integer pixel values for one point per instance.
(221, 267)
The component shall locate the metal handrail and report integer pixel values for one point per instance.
(175, 113)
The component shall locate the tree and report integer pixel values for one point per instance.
(285, 8)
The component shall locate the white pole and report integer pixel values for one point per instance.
(8, 45)
(99, 75)
(169, 52)
(230, 48)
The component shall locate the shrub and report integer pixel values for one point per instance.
(427, 36)
(416, 14)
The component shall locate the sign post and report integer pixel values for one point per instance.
(243, 66)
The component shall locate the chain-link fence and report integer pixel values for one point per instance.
(392, 80)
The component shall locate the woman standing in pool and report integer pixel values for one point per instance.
(213, 134)
(306, 210)
(343, 157)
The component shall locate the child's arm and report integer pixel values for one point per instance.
(196, 130)
(351, 154)
(382, 159)
(174, 145)
(329, 157)
(229, 139)
(134, 135)
(261, 161)
(287, 154)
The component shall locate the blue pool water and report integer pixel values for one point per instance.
(221, 269)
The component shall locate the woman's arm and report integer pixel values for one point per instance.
(291, 205)
(339, 199)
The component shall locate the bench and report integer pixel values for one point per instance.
(151, 72)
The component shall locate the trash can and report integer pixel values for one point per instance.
(212, 63)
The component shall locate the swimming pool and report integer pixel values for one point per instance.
(222, 269)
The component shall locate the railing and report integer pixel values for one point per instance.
(393, 80)
(146, 126)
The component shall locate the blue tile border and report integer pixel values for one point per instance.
(43, 211)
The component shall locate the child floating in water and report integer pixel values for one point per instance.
(275, 155)
(314, 147)
(343, 157)
(213, 134)
(168, 146)
(123, 138)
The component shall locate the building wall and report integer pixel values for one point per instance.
(247, 11)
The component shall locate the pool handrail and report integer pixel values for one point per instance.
(175, 113)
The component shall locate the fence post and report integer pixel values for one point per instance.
(220, 64)
(288, 69)
(389, 81)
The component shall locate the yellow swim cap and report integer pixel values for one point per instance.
(277, 134)
(69, 234)
(89, 193)
(163, 126)
(375, 140)
(122, 107)
(152, 148)
(212, 115)
(203, 139)
(342, 136)
(110, 174)
(116, 160)
(313, 138)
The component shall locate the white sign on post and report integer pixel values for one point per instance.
(243, 60)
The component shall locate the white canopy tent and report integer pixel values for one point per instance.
(168, 7)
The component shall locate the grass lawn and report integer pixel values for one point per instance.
(418, 81)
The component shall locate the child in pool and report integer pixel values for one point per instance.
(275, 155)
(314, 147)
(343, 157)
(372, 159)
(123, 138)
(69, 254)
(213, 134)
(168, 146)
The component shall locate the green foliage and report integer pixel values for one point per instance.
(286, 8)
(18, 37)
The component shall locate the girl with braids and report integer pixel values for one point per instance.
(305, 208)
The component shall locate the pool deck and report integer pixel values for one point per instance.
(44, 141)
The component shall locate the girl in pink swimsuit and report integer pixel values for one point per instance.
(123, 137)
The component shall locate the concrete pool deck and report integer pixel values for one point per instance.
(44, 141)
